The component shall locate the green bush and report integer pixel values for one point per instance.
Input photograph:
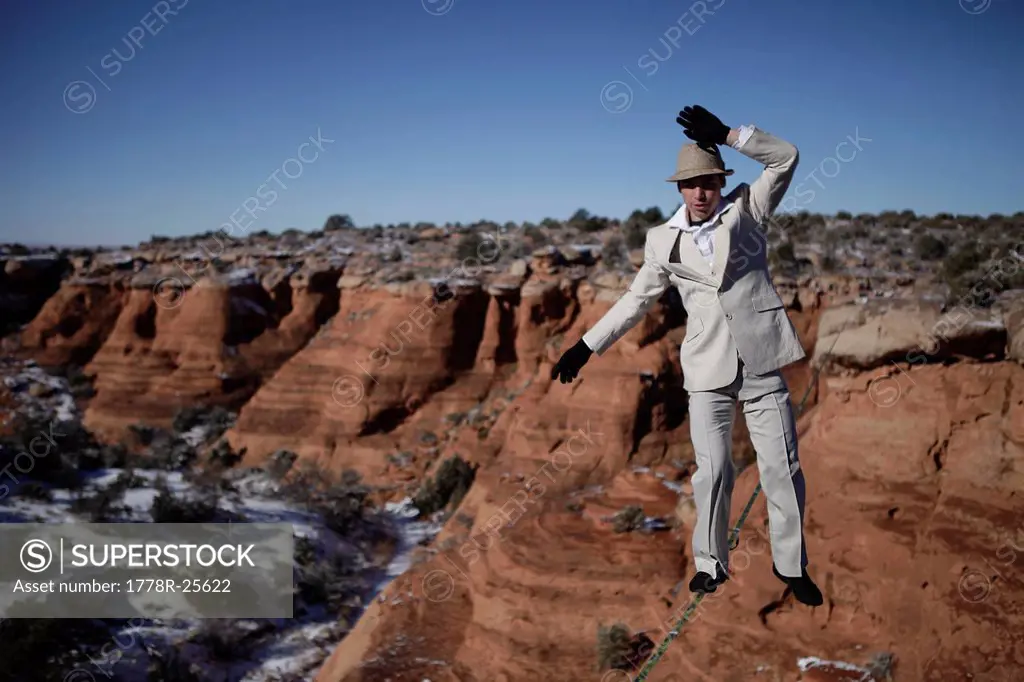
(447, 488)
(48, 649)
(222, 639)
(536, 236)
(340, 501)
(618, 649)
(930, 248)
(470, 246)
(323, 580)
(215, 419)
(613, 647)
(613, 251)
(169, 507)
(170, 665)
(43, 449)
(629, 519)
(102, 506)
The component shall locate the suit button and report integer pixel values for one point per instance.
(728, 316)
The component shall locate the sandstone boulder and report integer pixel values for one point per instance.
(869, 335)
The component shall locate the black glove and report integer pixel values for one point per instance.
(569, 365)
(701, 126)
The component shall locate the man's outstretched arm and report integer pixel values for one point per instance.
(645, 289)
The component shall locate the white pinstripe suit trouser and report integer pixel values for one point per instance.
(768, 411)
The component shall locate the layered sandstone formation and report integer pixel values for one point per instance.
(74, 323)
(213, 344)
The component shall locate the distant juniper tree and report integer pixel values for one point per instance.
(338, 222)
(584, 222)
(636, 225)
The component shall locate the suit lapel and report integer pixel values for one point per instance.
(692, 264)
(724, 236)
(691, 258)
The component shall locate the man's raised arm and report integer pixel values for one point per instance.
(779, 158)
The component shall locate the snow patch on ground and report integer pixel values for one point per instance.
(412, 534)
(33, 375)
(813, 662)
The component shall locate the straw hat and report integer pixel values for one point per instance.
(694, 160)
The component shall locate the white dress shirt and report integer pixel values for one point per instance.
(703, 232)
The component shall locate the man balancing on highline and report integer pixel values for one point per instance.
(737, 337)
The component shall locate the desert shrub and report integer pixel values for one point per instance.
(221, 638)
(782, 255)
(447, 488)
(634, 229)
(613, 251)
(340, 501)
(584, 222)
(215, 420)
(471, 245)
(170, 507)
(628, 519)
(43, 450)
(343, 506)
(144, 433)
(168, 451)
(843, 215)
(101, 506)
(128, 479)
(536, 236)
(613, 647)
(618, 649)
(455, 418)
(34, 490)
(929, 248)
(223, 455)
(881, 666)
(79, 383)
(857, 230)
(37, 649)
(338, 222)
(115, 456)
(280, 463)
(962, 271)
(391, 255)
(169, 665)
(967, 258)
(636, 236)
(320, 579)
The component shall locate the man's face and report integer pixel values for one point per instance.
(701, 195)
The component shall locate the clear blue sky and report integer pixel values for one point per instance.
(489, 110)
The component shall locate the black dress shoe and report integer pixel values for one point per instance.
(804, 589)
(704, 583)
